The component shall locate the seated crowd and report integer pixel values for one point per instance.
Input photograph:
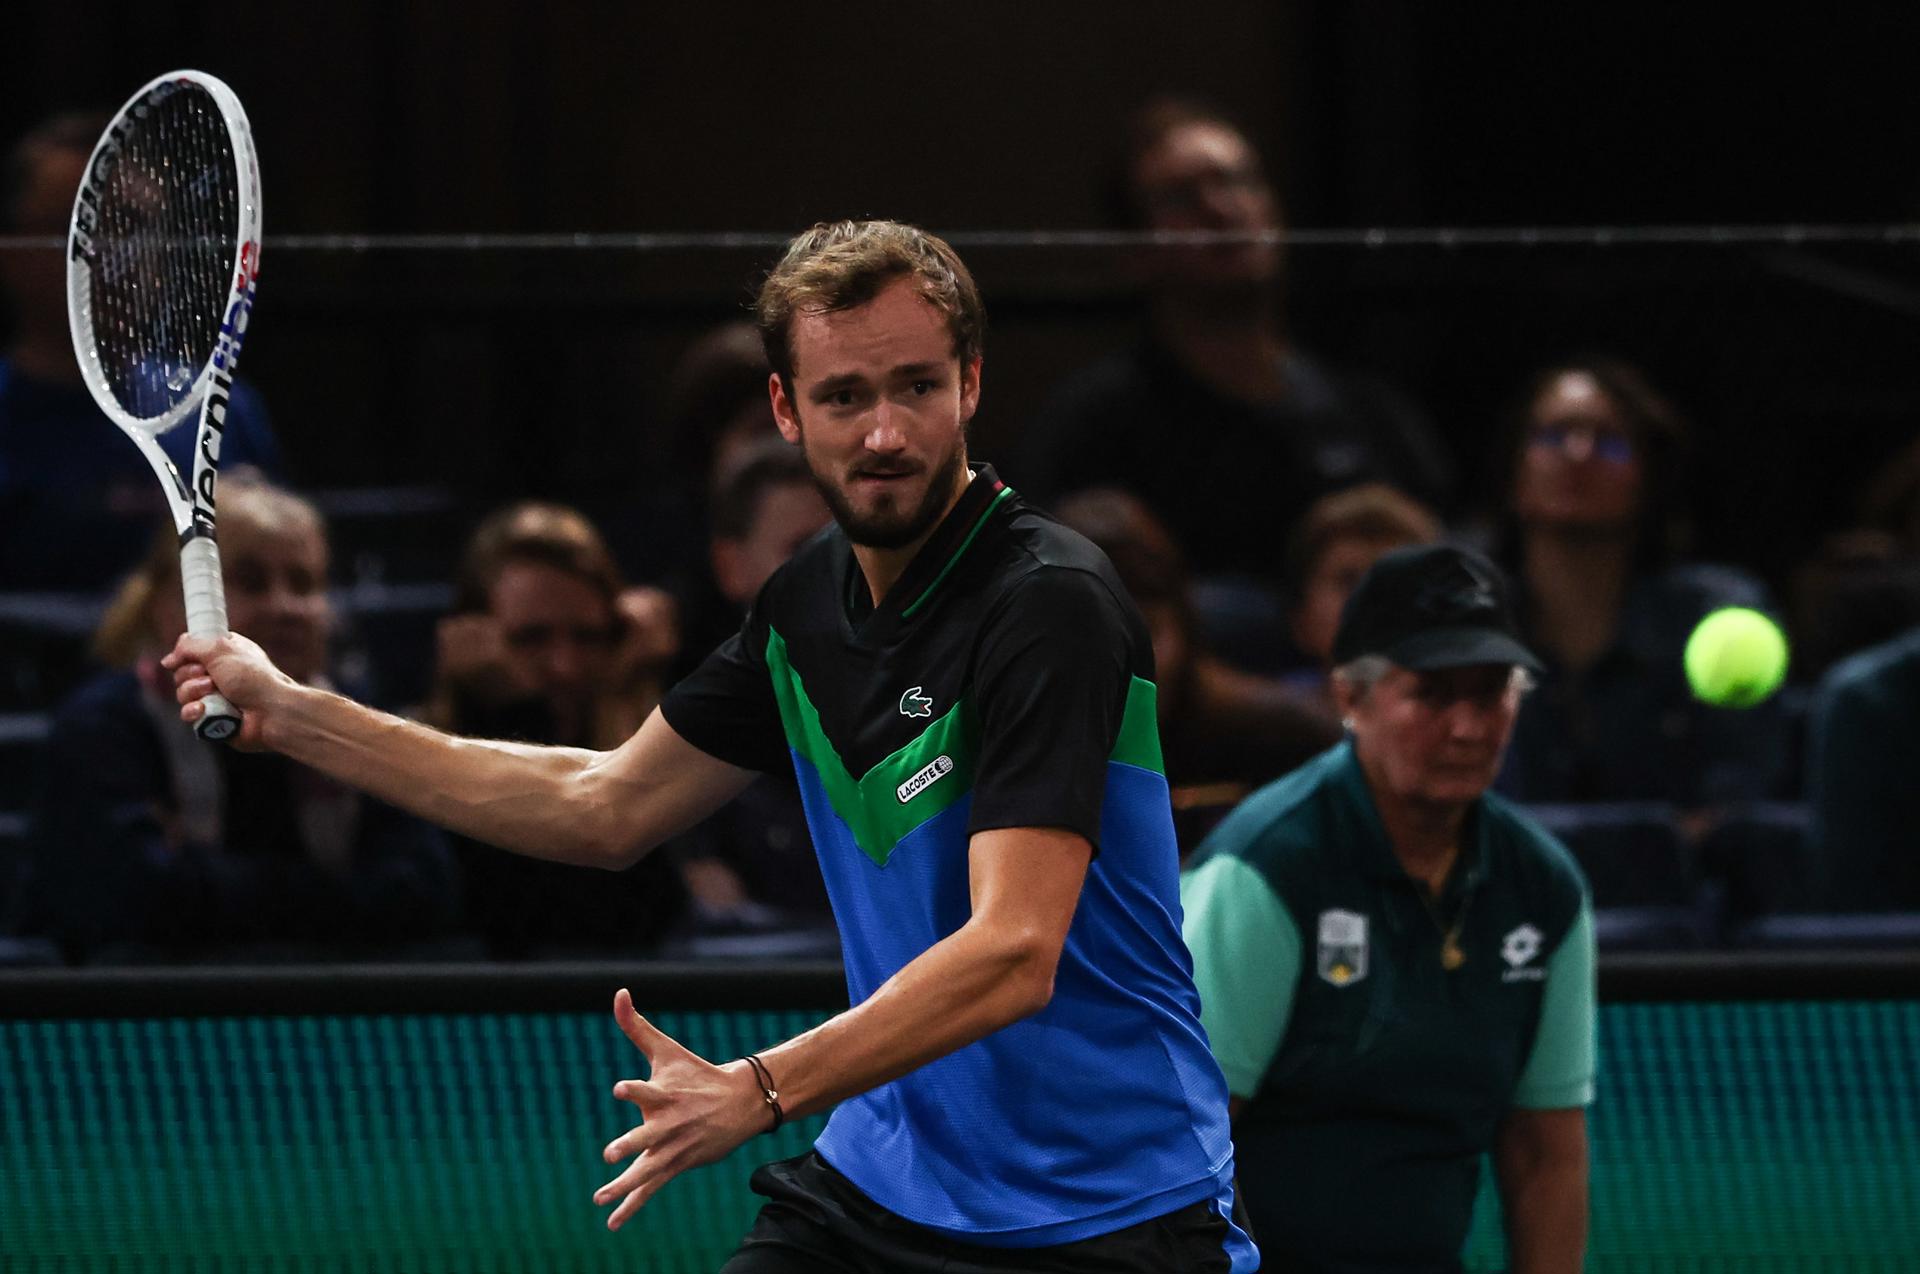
(1242, 489)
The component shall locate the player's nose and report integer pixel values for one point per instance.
(885, 432)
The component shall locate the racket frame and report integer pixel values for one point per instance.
(190, 500)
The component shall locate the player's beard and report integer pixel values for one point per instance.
(891, 525)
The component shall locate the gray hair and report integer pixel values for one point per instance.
(1364, 672)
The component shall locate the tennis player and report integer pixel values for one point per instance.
(965, 695)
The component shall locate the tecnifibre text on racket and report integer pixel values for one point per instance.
(162, 259)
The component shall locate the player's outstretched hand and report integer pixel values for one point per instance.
(238, 669)
(694, 1112)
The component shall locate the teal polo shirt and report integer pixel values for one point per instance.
(1373, 1077)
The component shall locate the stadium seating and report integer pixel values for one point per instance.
(1645, 885)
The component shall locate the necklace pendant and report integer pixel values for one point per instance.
(1451, 956)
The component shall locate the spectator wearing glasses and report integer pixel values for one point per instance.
(1596, 535)
(539, 650)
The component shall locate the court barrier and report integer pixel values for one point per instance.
(1756, 1111)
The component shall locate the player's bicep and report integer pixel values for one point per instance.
(1025, 884)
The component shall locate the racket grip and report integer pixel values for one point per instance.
(207, 617)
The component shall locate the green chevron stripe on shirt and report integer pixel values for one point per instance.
(1138, 743)
(895, 796)
(926, 776)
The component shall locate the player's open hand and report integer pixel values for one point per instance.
(238, 669)
(694, 1111)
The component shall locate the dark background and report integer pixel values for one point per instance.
(542, 372)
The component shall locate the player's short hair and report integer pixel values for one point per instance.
(1375, 512)
(550, 535)
(742, 489)
(73, 132)
(842, 264)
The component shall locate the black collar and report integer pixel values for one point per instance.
(936, 559)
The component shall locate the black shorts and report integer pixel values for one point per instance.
(815, 1221)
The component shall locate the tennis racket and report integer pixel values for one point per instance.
(162, 259)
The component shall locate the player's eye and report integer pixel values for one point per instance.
(922, 388)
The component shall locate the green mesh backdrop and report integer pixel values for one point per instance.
(1751, 1138)
(1727, 1137)
(408, 1143)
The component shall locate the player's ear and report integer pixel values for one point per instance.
(784, 417)
(969, 389)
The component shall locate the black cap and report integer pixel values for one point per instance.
(1432, 606)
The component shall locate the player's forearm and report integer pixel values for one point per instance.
(532, 800)
(961, 989)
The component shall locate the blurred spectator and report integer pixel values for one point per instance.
(539, 646)
(1591, 474)
(77, 499)
(752, 864)
(763, 505)
(1223, 732)
(1216, 418)
(715, 407)
(1396, 968)
(151, 844)
(540, 650)
(1864, 779)
(1334, 544)
(1890, 507)
(717, 413)
(1863, 588)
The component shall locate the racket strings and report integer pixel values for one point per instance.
(168, 221)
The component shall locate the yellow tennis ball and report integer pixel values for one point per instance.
(1736, 658)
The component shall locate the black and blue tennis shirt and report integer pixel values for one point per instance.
(1004, 681)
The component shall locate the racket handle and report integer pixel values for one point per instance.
(207, 617)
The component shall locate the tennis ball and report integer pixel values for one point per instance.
(1736, 658)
